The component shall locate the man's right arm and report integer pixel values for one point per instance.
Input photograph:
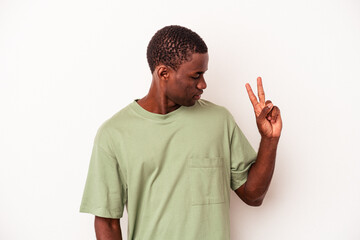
(107, 228)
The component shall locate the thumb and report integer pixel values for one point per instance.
(265, 111)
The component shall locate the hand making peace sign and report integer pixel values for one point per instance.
(268, 118)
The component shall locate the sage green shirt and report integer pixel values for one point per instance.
(173, 172)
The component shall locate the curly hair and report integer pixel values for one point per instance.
(173, 45)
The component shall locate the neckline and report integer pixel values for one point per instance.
(156, 116)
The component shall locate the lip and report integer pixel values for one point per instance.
(197, 97)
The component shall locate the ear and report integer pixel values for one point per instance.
(163, 72)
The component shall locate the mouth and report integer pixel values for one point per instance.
(197, 96)
(199, 93)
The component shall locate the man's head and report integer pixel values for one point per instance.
(178, 60)
(172, 46)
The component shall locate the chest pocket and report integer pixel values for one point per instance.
(207, 180)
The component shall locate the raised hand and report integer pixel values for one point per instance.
(268, 118)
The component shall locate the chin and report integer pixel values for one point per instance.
(189, 104)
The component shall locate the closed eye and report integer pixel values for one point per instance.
(196, 76)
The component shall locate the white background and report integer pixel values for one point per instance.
(66, 66)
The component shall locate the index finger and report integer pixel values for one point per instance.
(261, 92)
(251, 94)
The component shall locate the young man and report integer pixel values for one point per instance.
(171, 158)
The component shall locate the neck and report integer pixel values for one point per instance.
(156, 101)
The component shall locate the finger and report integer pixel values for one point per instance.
(265, 111)
(251, 94)
(277, 116)
(261, 92)
(275, 113)
(268, 102)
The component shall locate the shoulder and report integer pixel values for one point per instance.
(113, 123)
(215, 109)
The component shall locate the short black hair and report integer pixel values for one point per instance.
(173, 45)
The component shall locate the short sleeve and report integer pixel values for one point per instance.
(105, 192)
(243, 156)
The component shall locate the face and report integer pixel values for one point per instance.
(185, 86)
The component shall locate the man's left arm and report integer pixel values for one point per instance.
(269, 123)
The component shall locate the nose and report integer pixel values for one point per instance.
(201, 84)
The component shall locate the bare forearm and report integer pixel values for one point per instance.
(261, 172)
(269, 123)
(107, 229)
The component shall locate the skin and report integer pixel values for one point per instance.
(107, 228)
(168, 91)
(269, 123)
(171, 89)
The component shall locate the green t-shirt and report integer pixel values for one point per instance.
(173, 172)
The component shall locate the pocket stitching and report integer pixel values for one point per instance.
(208, 194)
